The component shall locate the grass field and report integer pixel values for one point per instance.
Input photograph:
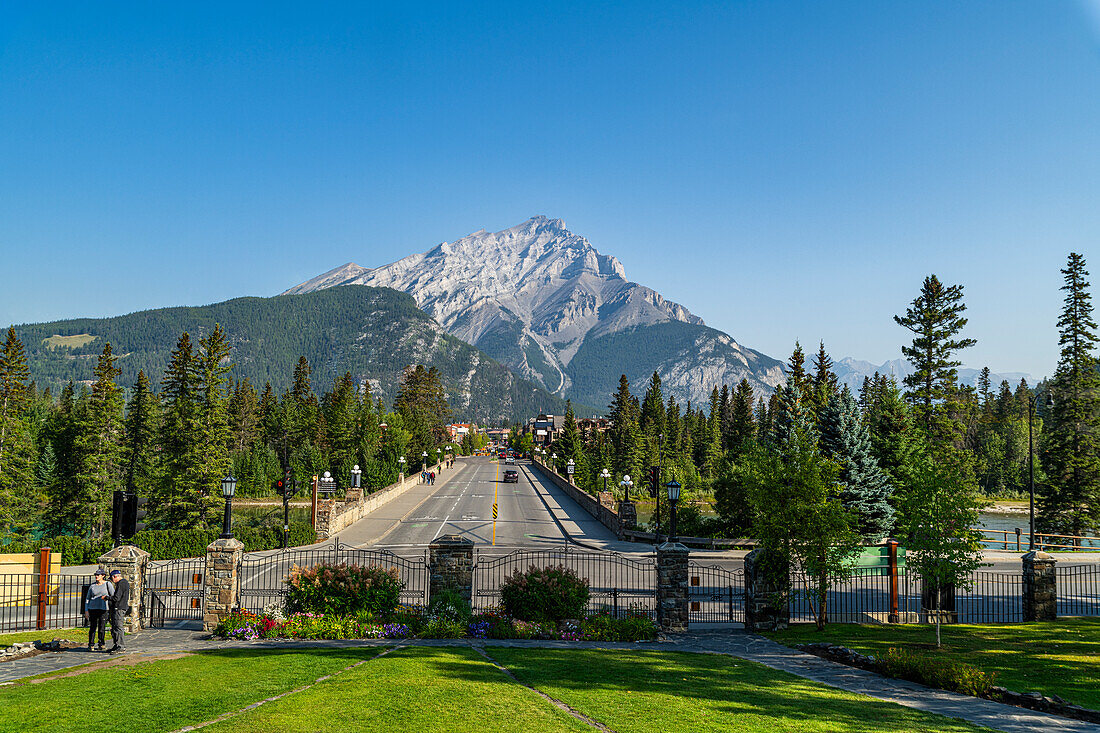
(1053, 657)
(68, 342)
(77, 634)
(452, 690)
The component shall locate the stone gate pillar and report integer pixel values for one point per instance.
(628, 515)
(221, 584)
(132, 562)
(672, 586)
(1040, 587)
(451, 566)
(766, 607)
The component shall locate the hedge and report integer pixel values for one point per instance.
(164, 544)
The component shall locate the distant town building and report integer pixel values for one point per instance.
(459, 430)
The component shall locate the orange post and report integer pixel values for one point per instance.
(43, 585)
(313, 505)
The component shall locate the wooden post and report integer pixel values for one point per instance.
(1017, 539)
(43, 585)
(892, 558)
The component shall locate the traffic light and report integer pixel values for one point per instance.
(278, 486)
(654, 480)
(116, 516)
(132, 513)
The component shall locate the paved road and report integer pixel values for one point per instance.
(530, 513)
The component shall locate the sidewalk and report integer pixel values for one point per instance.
(157, 642)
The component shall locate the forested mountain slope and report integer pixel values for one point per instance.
(374, 333)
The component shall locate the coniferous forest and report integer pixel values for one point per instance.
(812, 444)
(845, 466)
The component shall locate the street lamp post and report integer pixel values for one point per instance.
(673, 488)
(570, 467)
(424, 459)
(356, 477)
(626, 483)
(229, 487)
(605, 475)
(401, 466)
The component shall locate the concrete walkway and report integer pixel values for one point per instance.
(157, 642)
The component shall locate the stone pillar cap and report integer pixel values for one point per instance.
(223, 544)
(123, 553)
(453, 539)
(672, 547)
(1038, 555)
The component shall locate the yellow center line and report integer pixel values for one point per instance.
(496, 488)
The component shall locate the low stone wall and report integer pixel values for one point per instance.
(603, 514)
(698, 543)
(336, 515)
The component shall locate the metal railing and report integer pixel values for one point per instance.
(30, 601)
(1018, 539)
(1078, 590)
(715, 594)
(174, 591)
(617, 584)
(264, 576)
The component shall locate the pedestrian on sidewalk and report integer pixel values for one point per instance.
(96, 604)
(120, 606)
(431, 478)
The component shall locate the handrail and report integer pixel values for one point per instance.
(1044, 540)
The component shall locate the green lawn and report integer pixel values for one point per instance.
(167, 694)
(77, 634)
(451, 690)
(659, 692)
(414, 689)
(1056, 657)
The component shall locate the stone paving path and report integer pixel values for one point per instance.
(155, 642)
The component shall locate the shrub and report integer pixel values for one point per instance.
(450, 607)
(608, 628)
(544, 594)
(343, 589)
(945, 674)
(491, 625)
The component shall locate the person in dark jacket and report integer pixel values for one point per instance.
(120, 605)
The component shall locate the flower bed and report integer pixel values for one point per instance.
(418, 623)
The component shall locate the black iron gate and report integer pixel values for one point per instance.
(263, 576)
(174, 591)
(617, 584)
(715, 594)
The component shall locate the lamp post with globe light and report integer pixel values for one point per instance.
(229, 487)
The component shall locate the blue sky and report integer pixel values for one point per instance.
(785, 170)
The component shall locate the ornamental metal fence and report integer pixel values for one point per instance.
(716, 594)
(31, 601)
(174, 592)
(617, 584)
(1078, 590)
(263, 576)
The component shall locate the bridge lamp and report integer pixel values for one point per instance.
(229, 487)
(356, 475)
(401, 465)
(605, 475)
(626, 483)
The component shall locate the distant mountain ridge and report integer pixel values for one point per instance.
(374, 333)
(852, 372)
(543, 301)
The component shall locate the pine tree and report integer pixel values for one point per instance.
(244, 416)
(824, 386)
(569, 446)
(893, 438)
(796, 371)
(867, 489)
(142, 444)
(653, 408)
(1070, 499)
(794, 417)
(935, 318)
(212, 369)
(340, 409)
(17, 452)
(302, 384)
(742, 426)
(99, 447)
(626, 448)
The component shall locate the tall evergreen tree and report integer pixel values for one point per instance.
(1070, 499)
(99, 447)
(867, 490)
(935, 319)
(142, 444)
(796, 371)
(741, 424)
(244, 416)
(626, 448)
(17, 453)
(824, 385)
